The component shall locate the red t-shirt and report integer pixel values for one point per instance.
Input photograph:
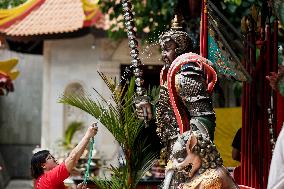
(53, 179)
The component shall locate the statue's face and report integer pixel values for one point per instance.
(168, 52)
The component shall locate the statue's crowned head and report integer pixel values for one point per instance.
(181, 38)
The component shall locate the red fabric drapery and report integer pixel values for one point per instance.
(256, 97)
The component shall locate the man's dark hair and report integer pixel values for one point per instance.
(36, 163)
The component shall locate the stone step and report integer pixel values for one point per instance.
(20, 184)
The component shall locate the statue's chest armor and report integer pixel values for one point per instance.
(192, 90)
(191, 84)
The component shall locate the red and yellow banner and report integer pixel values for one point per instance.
(10, 16)
(92, 11)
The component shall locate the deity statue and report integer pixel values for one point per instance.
(185, 117)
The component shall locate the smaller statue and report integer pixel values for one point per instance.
(195, 163)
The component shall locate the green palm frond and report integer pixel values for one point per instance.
(144, 159)
(104, 113)
(119, 117)
(114, 183)
(116, 90)
(117, 180)
(111, 84)
(154, 93)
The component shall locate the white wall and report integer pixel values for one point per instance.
(73, 60)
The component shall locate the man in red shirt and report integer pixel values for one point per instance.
(46, 171)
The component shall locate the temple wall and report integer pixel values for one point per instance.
(20, 117)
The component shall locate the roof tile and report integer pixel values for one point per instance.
(53, 16)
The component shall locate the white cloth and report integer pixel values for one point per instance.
(276, 173)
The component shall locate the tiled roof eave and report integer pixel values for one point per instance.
(52, 17)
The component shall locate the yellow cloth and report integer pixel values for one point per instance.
(7, 68)
(228, 121)
(92, 7)
(7, 15)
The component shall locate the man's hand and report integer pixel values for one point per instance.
(76, 153)
(92, 130)
(144, 110)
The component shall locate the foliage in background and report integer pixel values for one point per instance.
(237, 88)
(119, 117)
(154, 93)
(7, 4)
(72, 128)
(234, 10)
(151, 16)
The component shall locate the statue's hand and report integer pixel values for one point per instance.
(144, 110)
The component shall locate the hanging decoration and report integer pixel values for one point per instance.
(216, 43)
(7, 75)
